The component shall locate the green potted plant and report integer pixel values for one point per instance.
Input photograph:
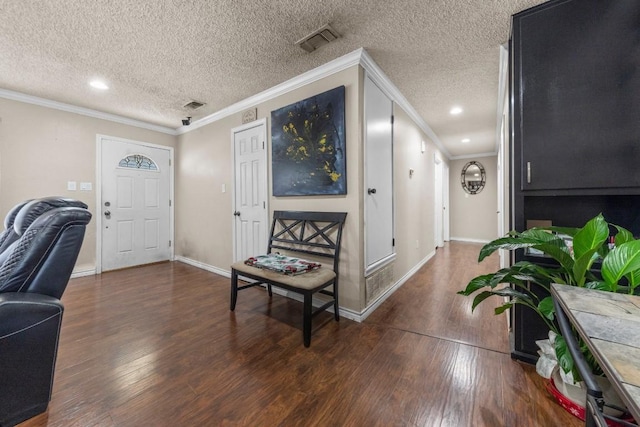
(575, 250)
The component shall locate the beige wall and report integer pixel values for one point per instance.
(473, 216)
(204, 221)
(41, 149)
(204, 224)
(414, 196)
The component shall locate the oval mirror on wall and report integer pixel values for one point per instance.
(473, 177)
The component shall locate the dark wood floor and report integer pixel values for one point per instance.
(157, 346)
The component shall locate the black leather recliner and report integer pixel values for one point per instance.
(33, 277)
(8, 236)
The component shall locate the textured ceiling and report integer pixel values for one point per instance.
(157, 56)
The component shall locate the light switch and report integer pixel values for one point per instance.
(85, 186)
(71, 185)
(224, 188)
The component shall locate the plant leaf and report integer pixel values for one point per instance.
(569, 231)
(600, 286)
(582, 265)
(503, 308)
(621, 261)
(623, 235)
(477, 283)
(562, 354)
(546, 308)
(590, 237)
(508, 243)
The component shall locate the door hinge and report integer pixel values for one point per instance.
(169, 162)
(392, 119)
(393, 242)
(264, 205)
(263, 145)
(169, 202)
(169, 243)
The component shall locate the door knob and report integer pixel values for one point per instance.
(236, 213)
(371, 191)
(107, 213)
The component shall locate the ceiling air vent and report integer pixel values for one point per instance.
(194, 105)
(319, 37)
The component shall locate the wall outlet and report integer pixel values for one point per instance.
(85, 186)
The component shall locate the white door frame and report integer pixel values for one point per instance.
(438, 201)
(98, 209)
(257, 123)
(446, 227)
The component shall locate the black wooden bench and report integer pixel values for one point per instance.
(298, 234)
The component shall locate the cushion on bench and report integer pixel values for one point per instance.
(282, 263)
(309, 280)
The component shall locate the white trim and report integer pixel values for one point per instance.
(469, 240)
(384, 83)
(383, 297)
(331, 67)
(260, 123)
(357, 57)
(503, 84)
(98, 211)
(473, 156)
(380, 263)
(82, 273)
(47, 103)
(203, 266)
(344, 312)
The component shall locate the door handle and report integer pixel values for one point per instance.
(371, 191)
(236, 213)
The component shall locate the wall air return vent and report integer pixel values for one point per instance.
(319, 37)
(194, 105)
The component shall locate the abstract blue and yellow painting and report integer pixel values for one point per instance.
(308, 146)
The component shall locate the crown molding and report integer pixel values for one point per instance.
(380, 78)
(331, 67)
(357, 57)
(472, 156)
(42, 102)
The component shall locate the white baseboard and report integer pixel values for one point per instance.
(82, 273)
(344, 312)
(382, 298)
(469, 240)
(203, 266)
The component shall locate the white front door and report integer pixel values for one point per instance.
(250, 198)
(135, 204)
(379, 245)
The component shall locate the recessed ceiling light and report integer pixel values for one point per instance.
(455, 110)
(466, 140)
(98, 84)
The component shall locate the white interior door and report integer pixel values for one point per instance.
(250, 198)
(379, 176)
(446, 228)
(438, 205)
(135, 204)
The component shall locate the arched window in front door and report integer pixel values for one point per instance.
(138, 161)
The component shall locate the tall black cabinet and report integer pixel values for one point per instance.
(575, 124)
